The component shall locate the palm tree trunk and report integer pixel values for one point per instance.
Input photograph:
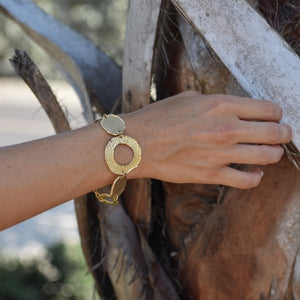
(180, 241)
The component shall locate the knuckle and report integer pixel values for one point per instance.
(264, 155)
(210, 175)
(224, 134)
(191, 93)
(220, 104)
(247, 182)
(273, 133)
(288, 134)
(272, 110)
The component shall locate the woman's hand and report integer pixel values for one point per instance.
(186, 138)
(193, 138)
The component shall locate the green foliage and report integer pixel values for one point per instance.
(61, 274)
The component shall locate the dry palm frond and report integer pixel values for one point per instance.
(293, 154)
(283, 16)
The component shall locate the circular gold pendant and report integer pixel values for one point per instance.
(113, 124)
(110, 154)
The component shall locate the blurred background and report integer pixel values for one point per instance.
(41, 258)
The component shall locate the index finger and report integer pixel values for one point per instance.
(253, 109)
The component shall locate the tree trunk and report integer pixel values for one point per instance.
(225, 243)
(189, 241)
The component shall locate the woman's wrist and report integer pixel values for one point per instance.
(136, 129)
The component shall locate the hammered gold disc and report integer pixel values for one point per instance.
(110, 154)
(113, 124)
(118, 186)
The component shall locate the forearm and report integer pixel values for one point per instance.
(188, 138)
(41, 174)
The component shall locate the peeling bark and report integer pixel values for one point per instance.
(246, 248)
(30, 73)
(141, 30)
(87, 226)
(246, 44)
(220, 243)
(133, 268)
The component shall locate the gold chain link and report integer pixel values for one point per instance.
(115, 126)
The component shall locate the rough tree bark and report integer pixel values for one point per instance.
(170, 241)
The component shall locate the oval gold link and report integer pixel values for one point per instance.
(106, 198)
(113, 124)
(118, 186)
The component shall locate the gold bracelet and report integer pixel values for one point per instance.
(115, 126)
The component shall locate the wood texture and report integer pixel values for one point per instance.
(87, 224)
(236, 244)
(261, 61)
(30, 73)
(223, 243)
(248, 247)
(133, 268)
(139, 46)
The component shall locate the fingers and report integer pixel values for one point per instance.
(251, 109)
(254, 154)
(247, 154)
(264, 133)
(244, 108)
(241, 179)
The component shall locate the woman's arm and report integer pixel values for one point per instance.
(189, 138)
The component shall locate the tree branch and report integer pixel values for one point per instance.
(31, 74)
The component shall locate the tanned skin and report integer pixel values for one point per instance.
(188, 138)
